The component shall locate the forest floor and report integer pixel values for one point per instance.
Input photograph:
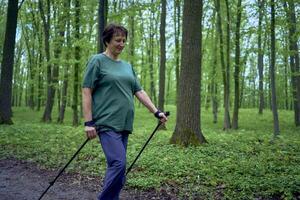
(248, 163)
(23, 180)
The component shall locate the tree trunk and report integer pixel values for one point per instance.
(66, 68)
(30, 56)
(102, 18)
(131, 37)
(286, 75)
(226, 124)
(214, 86)
(260, 58)
(244, 62)
(76, 65)
(7, 63)
(294, 58)
(272, 71)
(188, 123)
(162, 69)
(235, 116)
(151, 59)
(50, 87)
(176, 36)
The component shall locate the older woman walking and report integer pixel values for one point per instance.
(108, 90)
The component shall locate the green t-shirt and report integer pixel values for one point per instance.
(114, 83)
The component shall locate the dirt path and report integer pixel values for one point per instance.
(21, 180)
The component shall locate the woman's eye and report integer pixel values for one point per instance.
(121, 41)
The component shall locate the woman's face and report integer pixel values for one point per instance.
(117, 44)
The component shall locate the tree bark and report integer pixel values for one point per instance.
(64, 93)
(188, 123)
(162, 68)
(213, 83)
(102, 20)
(76, 65)
(272, 71)
(176, 36)
(7, 63)
(226, 124)
(260, 58)
(50, 87)
(235, 116)
(151, 58)
(294, 58)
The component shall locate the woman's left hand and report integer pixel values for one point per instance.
(161, 116)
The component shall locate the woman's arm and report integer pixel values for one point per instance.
(87, 112)
(146, 101)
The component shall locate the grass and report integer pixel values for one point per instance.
(241, 164)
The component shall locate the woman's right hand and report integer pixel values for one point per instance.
(90, 131)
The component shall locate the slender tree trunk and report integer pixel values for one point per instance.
(30, 56)
(294, 58)
(286, 75)
(40, 84)
(214, 62)
(260, 58)
(62, 108)
(244, 62)
(188, 122)
(235, 116)
(76, 65)
(144, 43)
(176, 36)
(7, 63)
(58, 43)
(214, 88)
(50, 87)
(226, 124)
(151, 59)
(132, 37)
(162, 68)
(102, 19)
(272, 71)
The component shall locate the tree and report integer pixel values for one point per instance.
(62, 108)
(162, 69)
(152, 29)
(102, 18)
(176, 37)
(235, 116)
(188, 121)
(272, 71)
(226, 124)
(76, 65)
(7, 63)
(260, 57)
(50, 87)
(294, 58)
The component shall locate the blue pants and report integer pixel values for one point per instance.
(114, 146)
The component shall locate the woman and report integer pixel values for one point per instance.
(109, 85)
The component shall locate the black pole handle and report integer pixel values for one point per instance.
(63, 169)
(156, 128)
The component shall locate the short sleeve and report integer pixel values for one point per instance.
(92, 73)
(137, 86)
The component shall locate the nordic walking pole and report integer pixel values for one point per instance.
(158, 125)
(62, 170)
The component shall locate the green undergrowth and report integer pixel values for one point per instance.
(242, 164)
